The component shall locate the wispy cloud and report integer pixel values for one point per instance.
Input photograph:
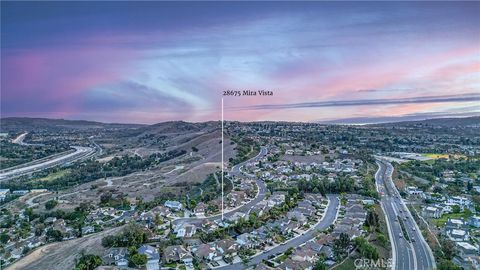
(390, 119)
(157, 61)
(469, 97)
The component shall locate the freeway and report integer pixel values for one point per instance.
(327, 220)
(236, 171)
(20, 138)
(79, 153)
(409, 248)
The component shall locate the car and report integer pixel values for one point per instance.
(413, 229)
(400, 235)
(413, 239)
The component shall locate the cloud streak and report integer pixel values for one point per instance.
(469, 97)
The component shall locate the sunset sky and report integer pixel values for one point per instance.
(149, 62)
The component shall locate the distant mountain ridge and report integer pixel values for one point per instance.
(181, 126)
(34, 123)
(446, 122)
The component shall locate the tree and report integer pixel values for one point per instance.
(138, 259)
(340, 246)
(372, 219)
(448, 248)
(320, 265)
(88, 262)
(448, 265)
(469, 186)
(132, 235)
(55, 235)
(51, 204)
(366, 249)
(4, 238)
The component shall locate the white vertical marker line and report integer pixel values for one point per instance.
(222, 159)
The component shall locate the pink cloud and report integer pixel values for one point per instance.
(59, 76)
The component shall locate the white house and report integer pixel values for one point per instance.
(3, 194)
(414, 191)
(459, 200)
(153, 257)
(432, 212)
(175, 205)
(475, 221)
(466, 248)
(458, 235)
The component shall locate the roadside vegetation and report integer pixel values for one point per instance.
(12, 154)
(246, 148)
(91, 170)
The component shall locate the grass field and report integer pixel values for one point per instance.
(437, 156)
(348, 264)
(54, 175)
(441, 221)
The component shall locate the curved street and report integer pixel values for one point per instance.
(236, 171)
(327, 220)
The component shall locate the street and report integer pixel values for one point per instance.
(409, 251)
(326, 221)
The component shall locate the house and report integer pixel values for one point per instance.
(263, 266)
(327, 252)
(459, 200)
(453, 223)
(36, 241)
(458, 235)
(116, 256)
(368, 202)
(176, 253)
(200, 209)
(161, 211)
(174, 205)
(3, 194)
(466, 249)
(50, 220)
(185, 230)
(432, 212)
(227, 247)
(20, 192)
(475, 221)
(276, 199)
(304, 254)
(153, 257)
(297, 216)
(247, 240)
(313, 246)
(237, 216)
(290, 264)
(262, 235)
(87, 230)
(414, 191)
(205, 252)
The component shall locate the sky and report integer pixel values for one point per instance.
(148, 62)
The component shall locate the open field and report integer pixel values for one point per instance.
(62, 255)
(446, 156)
(441, 221)
(54, 175)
